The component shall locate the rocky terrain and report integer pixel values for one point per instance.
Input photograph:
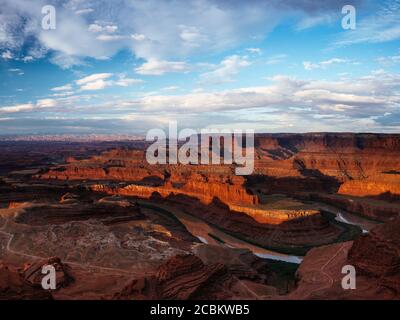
(375, 257)
(187, 277)
(124, 229)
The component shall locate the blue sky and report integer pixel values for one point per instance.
(127, 66)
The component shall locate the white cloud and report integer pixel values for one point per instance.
(95, 81)
(27, 59)
(95, 28)
(125, 82)
(16, 71)
(170, 88)
(310, 22)
(111, 37)
(192, 36)
(62, 88)
(65, 61)
(46, 103)
(254, 50)
(160, 67)
(354, 98)
(71, 39)
(178, 31)
(226, 70)
(275, 59)
(93, 78)
(368, 103)
(40, 104)
(99, 81)
(63, 94)
(308, 65)
(6, 55)
(389, 61)
(194, 27)
(95, 85)
(17, 108)
(99, 28)
(138, 37)
(84, 11)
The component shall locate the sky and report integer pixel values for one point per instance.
(128, 66)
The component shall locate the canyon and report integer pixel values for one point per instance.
(117, 227)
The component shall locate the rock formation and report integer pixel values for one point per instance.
(385, 186)
(186, 277)
(182, 277)
(375, 257)
(14, 287)
(125, 229)
(32, 273)
(371, 208)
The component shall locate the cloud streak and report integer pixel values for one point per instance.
(99, 81)
(226, 70)
(159, 67)
(308, 65)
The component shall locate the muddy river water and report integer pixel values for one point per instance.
(211, 235)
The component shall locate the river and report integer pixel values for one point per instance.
(202, 230)
(346, 217)
(211, 235)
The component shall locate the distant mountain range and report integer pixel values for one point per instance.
(72, 137)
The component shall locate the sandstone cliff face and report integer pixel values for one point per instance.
(286, 163)
(100, 173)
(384, 186)
(296, 142)
(273, 216)
(374, 209)
(227, 190)
(197, 186)
(343, 156)
(130, 166)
